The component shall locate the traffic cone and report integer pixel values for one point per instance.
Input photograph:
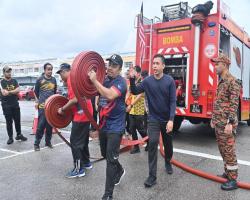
(35, 123)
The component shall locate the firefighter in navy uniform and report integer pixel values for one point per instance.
(112, 121)
(224, 119)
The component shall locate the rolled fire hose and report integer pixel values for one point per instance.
(83, 87)
(52, 104)
(87, 61)
(83, 63)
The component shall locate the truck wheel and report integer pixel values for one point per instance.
(248, 122)
(177, 123)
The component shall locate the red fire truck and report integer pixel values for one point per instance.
(188, 43)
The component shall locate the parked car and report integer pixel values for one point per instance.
(26, 92)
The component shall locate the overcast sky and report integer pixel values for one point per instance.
(33, 29)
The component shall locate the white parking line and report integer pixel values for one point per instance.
(9, 151)
(205, 155)
(181, 151)
(26, 152)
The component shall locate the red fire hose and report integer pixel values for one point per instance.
(52, 104)
(199, 172)
(83, 89)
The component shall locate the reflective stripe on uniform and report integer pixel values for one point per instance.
(235, 167)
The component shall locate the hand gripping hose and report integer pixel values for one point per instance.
(83, 87)
(52, 104)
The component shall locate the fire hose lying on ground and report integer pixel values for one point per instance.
(83, 89)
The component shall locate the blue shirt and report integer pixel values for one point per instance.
(113, 113)
(161, 96)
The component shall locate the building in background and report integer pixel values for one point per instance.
(26, 72)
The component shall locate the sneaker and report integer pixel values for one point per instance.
(135, 150)
(151, 181)
(10, 141)
(49, 145)
(120, 176)
(21, 137)
(73, 173)
(169, 168)
(229, 185)
(36, 147)
(105, 197)
(87, 166)
(81, 173)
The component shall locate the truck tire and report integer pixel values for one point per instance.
(248, 122)
(177, 123)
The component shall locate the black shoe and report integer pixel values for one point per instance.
(49, 145)
(169, 168)
(229, 185)
(10, 141)
(224, 175)
(21, 137)
(105, 197)
(146, 148)
(120, 176)
(150, 182)
(135, 150)
(36, 147)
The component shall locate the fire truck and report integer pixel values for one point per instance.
(188, 38)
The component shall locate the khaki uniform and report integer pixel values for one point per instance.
(225, 108)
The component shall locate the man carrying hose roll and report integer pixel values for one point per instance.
(112, 120)
(225, 119)
(79, 137)
(159, 89)
(45, 87)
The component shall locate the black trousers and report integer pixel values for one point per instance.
(12, 112)
(145, 121)
(127, 122)
(110, 147)
(136, 123)
(154, 129)
(42, 125)
(79, 140)
(95, 112)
